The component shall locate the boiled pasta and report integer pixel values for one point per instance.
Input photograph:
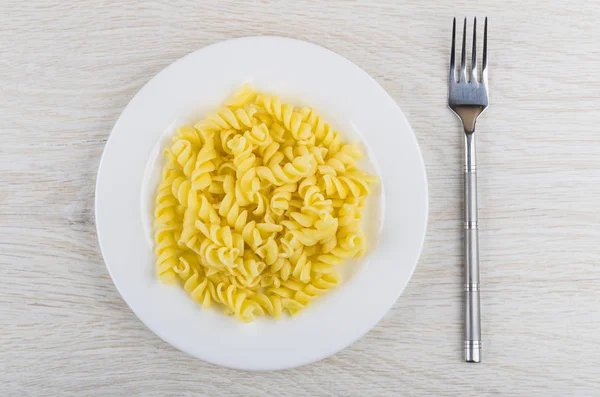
(257, 207)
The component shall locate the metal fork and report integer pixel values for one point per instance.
(468, 99)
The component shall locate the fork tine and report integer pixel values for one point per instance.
(484, 63)
(474, 53)
(452, 54)
(463, 55)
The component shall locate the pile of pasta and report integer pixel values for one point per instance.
(257, 206)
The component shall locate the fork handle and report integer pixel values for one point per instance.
(471, 256)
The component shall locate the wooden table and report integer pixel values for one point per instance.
(67, 69)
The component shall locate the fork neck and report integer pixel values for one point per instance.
(470, 161)
(468, 114)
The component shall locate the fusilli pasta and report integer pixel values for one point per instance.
(257, 206)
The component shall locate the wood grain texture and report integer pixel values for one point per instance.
(67, 69)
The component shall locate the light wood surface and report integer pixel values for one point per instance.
(67, 69)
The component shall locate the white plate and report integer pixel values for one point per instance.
(302, 73)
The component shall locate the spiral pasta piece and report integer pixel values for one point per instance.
(182, 190)
(248, 270)
(291, 172)
(343, 186)
(243, 159)
(186, 157)
(318, 287)
(242, 96)
(165, 212)
(271, 304)
(281, 197)
(259, 136)
(201, 176)
(166, 254)
(323, 132)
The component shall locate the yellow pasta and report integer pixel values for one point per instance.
(257, 207)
